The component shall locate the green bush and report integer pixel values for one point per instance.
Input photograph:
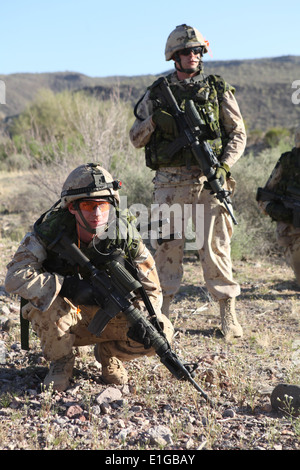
(275, 135)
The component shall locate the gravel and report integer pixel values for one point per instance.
(155, 411)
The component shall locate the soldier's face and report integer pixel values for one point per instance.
(191, 60)
(94, 211)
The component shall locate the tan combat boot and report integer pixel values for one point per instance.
(60, 373)
(113, 371)
(230, 326)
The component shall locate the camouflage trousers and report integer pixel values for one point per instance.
(289, 238)
(183, 190)
(63, 327)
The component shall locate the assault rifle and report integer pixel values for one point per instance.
(156, 226)
(115, 288)
(193, 134)
(291, 201)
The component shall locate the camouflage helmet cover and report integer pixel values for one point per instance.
(183, 37)
(89, 180)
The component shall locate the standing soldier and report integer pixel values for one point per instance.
(178, 179)
(284, 183)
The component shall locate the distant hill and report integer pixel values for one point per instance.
(263, 88)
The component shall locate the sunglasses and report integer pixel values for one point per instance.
(194, 50)
(90, 205)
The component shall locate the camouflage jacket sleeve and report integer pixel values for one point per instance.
(143, 128)
(27, 278)
(148, 276)
(233, 124)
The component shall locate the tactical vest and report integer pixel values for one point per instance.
(50, 226)
(207, 94)
(290, 180)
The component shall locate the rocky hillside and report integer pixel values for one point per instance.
(263, 88)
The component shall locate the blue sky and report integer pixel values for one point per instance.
(103, 37)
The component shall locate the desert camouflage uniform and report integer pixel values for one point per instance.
(287, 235)
(184, 185)
(59, 324)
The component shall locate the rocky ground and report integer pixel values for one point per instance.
(156, 411)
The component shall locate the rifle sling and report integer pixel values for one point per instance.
(24, 327)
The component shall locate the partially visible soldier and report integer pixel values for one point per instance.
(60, 302)
(283, 181)
(178, 178)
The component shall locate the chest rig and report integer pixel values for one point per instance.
(124, 239)
(207, 94)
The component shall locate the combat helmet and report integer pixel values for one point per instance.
(87, 181)
(184, 37)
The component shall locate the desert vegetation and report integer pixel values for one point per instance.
(54, 134)
(57, 132)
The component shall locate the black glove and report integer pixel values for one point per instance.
(278, 212)
(78, 291)
(138, 333)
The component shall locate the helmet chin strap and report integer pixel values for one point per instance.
(86, 226)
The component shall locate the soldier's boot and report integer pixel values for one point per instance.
(229, 323)
(113, 371)
(60, 373)
(165, 309)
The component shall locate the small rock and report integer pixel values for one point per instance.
(96, 410)
(136, 408)
(190, 444)
(286, 397)
(105, 408)
(229, 413)
(189, 428)
(267, 407)
(160, 435)
(7, 325)
(109, 395)
(121, 436)
(61, 420)
(5, 310)
(74, 411)
(121, 423)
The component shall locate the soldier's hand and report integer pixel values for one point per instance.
(222, 172)
(165, 122)
(138, 333)
(78, 291)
